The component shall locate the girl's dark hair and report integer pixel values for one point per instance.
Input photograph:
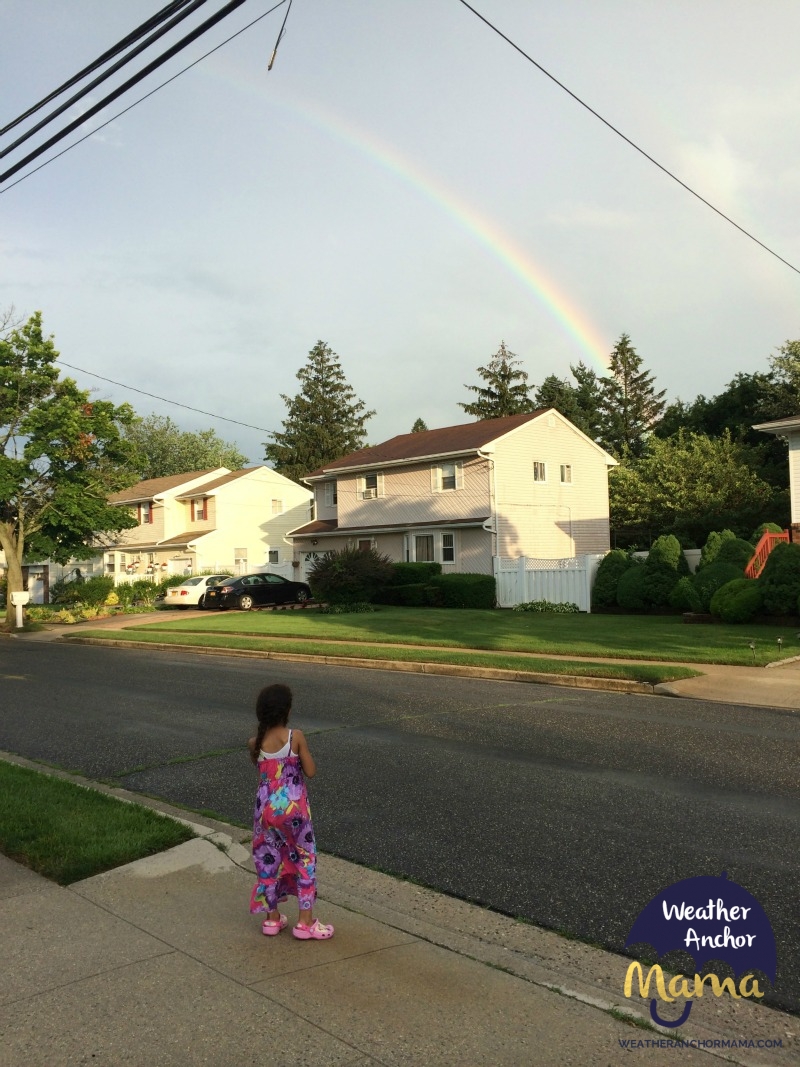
(273, 705)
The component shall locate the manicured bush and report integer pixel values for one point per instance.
(711, 578)
(737, 551)
(666, 551)
(144, 592)
(765, 527)
(780, 579)
(712, 546)
(612, 566)
(464, 590)
(544, 607)
(737, 601)
(349, 575)
(683, 596)
(659, 581)
(414, 573)
(95, 590)
(418, 595)
(358, 607)
(631, 589)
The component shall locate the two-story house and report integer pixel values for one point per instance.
(218, 520)
(525, 485)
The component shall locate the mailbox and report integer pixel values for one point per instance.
(20, 598)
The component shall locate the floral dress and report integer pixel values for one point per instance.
(284, 850)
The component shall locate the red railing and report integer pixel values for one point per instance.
(763, 549)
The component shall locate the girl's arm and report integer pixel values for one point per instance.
(306, 759)
(251, 748)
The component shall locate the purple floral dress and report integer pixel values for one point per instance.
(284, 850)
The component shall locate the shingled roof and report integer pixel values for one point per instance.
(468, 437)
(153, 487)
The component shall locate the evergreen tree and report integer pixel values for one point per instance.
(325, 421)
(579, 403)
(630, 407)
(505, 392)
(420, 426)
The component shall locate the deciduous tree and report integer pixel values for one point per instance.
(61, 457)
(162, 448)
(326, 420)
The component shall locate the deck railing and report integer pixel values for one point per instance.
(763, 549)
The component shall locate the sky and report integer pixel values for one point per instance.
(406, 187)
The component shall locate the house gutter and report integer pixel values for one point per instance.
(332, 472)
(491, 526)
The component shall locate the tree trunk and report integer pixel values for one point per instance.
(13, 551)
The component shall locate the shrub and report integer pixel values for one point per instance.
(780, 579)
(349, 575)
(737, 601)
(125, 594)
(737, 551)
(357, 607)
(65, 592)
(612, 566)
(666, 551)
(711, 578)
(712, 546)
(765, 527)
(93, 591)
(659, 581)
(630, 589)
(545, 607)
(684, 596)
(414, 573)
(417, 595)
(464, 590)
(144, 592)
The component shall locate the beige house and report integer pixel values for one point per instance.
(217, 520)
(525, 485)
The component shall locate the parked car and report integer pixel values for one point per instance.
(192, 592)
(255, 591)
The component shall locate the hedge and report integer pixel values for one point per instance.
(612, 566)
(418, 595)
(464, 590)
(737, 601)
(780, 579)
(414, 573)
(711, 578)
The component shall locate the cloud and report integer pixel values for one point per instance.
(582, 216)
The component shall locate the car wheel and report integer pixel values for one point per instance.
(245, 602)
(301, 596)
(201, 603)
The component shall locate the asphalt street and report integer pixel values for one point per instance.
(569, 808)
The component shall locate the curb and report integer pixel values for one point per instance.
(572, 681)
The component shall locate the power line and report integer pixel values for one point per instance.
(633, 144)
(153, 396)
(141, 99)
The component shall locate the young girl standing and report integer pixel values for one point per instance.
(284, 850)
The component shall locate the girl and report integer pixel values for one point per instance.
(284, 850)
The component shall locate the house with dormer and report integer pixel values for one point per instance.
(215, 520)
(529, 485)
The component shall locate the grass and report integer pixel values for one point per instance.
(66, 832)
(641, 672)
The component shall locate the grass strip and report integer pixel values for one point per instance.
(67, 832)
(662, 638)
(640, 672)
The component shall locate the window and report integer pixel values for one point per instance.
(539, 471)
(423, 548)
(273, 556)
(199, 509)
(277, 507)
(331, 496)
(448, 548)
(566, 474)
(448, 476)
(145, 513)
(371, 486)
(365, 544)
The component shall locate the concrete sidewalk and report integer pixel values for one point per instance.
(160, 963)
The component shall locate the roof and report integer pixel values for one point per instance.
(184, 538)
(153, 487)
(321, 527)
(207, 487)
(468, 437)
(780, 426)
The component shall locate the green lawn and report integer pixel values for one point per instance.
(664, 638)
(67, 833)
(640, 672)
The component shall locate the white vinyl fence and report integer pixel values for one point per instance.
(559, 581)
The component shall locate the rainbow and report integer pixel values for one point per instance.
(569, 316)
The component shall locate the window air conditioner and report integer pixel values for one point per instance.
(369, 494)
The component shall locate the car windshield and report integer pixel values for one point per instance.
(193, 581)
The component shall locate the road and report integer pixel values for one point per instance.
(569, 808)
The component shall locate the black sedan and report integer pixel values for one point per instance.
(255, 591)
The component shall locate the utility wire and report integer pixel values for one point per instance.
(146, 96)
(633, 144)
(120, 46)
(153, 396)
(148, 69)
(280, 37)
(184, 13)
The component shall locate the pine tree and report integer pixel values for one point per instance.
(505, 392)
(325, 421)
(630, 407)
(579, 403)
(420, 426)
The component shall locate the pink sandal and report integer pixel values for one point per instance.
(316, 932)
(270, 927)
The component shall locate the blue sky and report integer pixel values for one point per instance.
(407, 188)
